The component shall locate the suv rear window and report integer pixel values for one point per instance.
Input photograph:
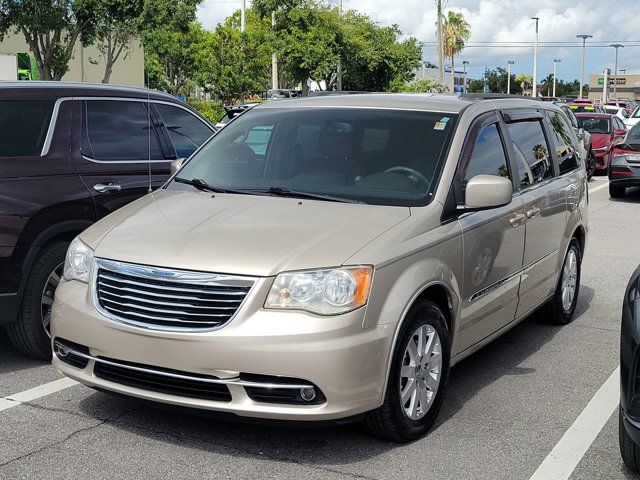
(23, 126)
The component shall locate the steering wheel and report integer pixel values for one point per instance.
(412, 173)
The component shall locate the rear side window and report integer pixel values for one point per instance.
(487, 157)
(23, 127)
(115, 130)
(186, 131)
(564, 143)
(531, 151)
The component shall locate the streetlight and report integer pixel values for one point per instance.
(243, 16)
(509, 63)
(535, 61)
(556, 61)
(339, 73)
(464, 78)
(615, 69)
(584, 42)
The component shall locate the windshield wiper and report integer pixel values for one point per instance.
(201, 185)
(285, 192)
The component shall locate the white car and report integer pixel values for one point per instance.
(619, 112)
(633, 119)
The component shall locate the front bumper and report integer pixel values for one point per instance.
(346, 362)
(632, 426)
(602, 160)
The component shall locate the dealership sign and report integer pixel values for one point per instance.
(619, 81)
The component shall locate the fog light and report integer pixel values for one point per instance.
(308, 393)
(62, 352)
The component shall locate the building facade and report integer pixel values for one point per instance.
(87, 64)
(627, 86)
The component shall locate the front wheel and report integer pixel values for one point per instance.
(562, 306)
(418, 377)
(591, 164)
(616, 191)
(629, 450)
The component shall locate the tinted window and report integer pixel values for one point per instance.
(532, 153)
(487, 157)
(187, 132)
(564, 142)
(376, 156)
(23, 126)
(595, 124)
(118, 131)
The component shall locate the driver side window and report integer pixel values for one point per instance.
(488, 156)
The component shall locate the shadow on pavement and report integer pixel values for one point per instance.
(632, 196)
(11, 360)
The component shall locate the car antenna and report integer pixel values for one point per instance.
(149, 123)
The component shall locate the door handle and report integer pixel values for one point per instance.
(533, 212)
(518, 220)
(107, 187)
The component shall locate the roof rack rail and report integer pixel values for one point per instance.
(329, 93)
(494, 96)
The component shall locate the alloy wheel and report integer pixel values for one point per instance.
(569, 280)
(420, 372)
(47, 296)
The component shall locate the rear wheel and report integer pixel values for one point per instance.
(616, 191)
(562, 306)
(629, 451)
(418, 377)
(30, 333)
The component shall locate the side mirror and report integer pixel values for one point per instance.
(176, 165)
(487, 191)
(619, 133)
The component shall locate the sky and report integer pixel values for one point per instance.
(506, 21)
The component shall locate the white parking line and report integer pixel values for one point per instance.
(36, 392)
(568, 452)
(599, 187)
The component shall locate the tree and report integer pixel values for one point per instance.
(496, 81)
(525, 81)
(456, 32)
(422, 85)
(51, 28)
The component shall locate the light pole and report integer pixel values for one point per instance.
(339, 74)
(464, 80)
(535, 61)
(509, 63)
(274, 58)
(615, 69)
(243, 16)
(440, 40)
(584, 43)
(556, 61)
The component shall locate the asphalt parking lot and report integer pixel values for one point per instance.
(506, 413)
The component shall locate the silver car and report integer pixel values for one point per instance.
(330, 259)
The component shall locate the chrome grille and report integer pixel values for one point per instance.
(167, 299)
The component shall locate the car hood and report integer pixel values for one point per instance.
(239, 234)
(599, 140)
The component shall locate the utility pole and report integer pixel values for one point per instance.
(274, 59)
(339, 73)
(605, 85)
(243, 16)
(464, 81)
(556, 61)
(440, 37)
(584, 43)
(509, 63)
(534, 93)
(615, 70)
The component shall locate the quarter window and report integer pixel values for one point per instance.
(23, 127)
(118, 131)
(564, 143)
(186, 131)
(531, 151)
(487, 157)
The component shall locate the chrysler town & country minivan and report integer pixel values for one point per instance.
(330, 258)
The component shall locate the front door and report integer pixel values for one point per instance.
(493, 241)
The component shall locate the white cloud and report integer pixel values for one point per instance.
(504, 21)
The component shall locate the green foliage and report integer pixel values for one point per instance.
(497, 82)
(456, 32)
(50, 28)
(211, 110)
(422, 85)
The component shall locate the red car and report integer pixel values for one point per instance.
(606, 131)
(624, 169)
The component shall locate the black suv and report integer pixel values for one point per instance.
(69, 155)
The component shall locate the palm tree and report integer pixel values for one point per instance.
(548, 82)
(456, 32)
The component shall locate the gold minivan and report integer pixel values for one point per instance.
(330, 258)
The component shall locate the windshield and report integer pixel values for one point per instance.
(595, 124)
(376, 156)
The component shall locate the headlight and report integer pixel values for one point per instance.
(77, 263)
(329, 291)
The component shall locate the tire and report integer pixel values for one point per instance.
(591, 164)
(629, 450)
(28, 333)
(559, 311)
(616, 191)
(391, 422)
